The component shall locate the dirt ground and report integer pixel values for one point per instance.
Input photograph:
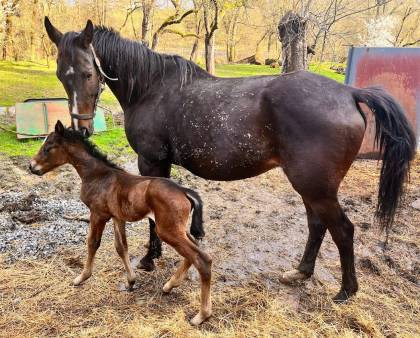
(255, 229)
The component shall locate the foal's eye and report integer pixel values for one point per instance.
(46, 150)
(88, 76)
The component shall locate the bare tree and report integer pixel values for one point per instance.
(211, 16)
(198, 28)
(174, 19)
(10, 9)
(147, 8)
(292, 32)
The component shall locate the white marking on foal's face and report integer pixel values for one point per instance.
(75, 110)
(70, 71)
(35, 165)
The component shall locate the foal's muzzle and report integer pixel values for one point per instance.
(33, 170)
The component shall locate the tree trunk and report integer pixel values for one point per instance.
(194, 51)
(209, 49)
(146, 21)
(231, 36)
(292, 32)
(7, 36)
(155, 40)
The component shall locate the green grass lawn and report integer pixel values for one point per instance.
(23, 80)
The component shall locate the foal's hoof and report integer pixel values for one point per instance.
(200, 318)
(293, 276)
(167, 287)
(147, 264)
(79, 280)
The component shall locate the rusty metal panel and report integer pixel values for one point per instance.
(395, 69)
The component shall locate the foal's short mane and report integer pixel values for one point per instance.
(73, 136)
(138, 66)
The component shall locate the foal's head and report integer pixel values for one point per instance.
(66, 145)
(78, 71)
(53, 153)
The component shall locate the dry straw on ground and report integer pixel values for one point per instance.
(37, 300)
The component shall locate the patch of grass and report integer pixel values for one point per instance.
(254, 70)
(112, 142)
(244, 70)
(24, 80)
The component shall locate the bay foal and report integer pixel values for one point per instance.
(110, 192)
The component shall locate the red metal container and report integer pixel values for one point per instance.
(395, 69)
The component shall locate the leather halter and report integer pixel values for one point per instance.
(102, 75)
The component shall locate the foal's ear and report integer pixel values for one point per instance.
(86, 36)
(59, 128)
(54, 34)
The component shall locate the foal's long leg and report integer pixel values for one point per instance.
(178, 277)
(96, 229)
(202, 262)
(315, 237)
(122, 250)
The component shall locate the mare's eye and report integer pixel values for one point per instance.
(46, 150)
(88, 76)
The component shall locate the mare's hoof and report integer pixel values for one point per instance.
(126, 287)
(200, 318)
(293, 276)
(343, 296)
(147, 264)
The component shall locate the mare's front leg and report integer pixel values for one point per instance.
(122, 250)
(96, 228)
(157, 169)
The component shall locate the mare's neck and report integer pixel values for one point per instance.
(138, 68)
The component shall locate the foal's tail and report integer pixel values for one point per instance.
(196, 229)
(397, 144)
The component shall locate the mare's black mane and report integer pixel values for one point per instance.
(132, 62)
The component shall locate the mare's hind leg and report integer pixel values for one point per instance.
(307, 264)
(96, 229)
(154, 250)
(318, 185)
(122, 250)
(342, 233)
(193, 255)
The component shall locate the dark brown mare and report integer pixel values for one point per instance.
(230, 129)
(110, 192)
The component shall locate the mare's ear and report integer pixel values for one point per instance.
(59, 128)
(86, 36)
(54, 34)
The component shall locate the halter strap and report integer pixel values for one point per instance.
(98, 64)
(101, 88)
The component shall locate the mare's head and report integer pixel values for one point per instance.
(78, 71)
(53, 152)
